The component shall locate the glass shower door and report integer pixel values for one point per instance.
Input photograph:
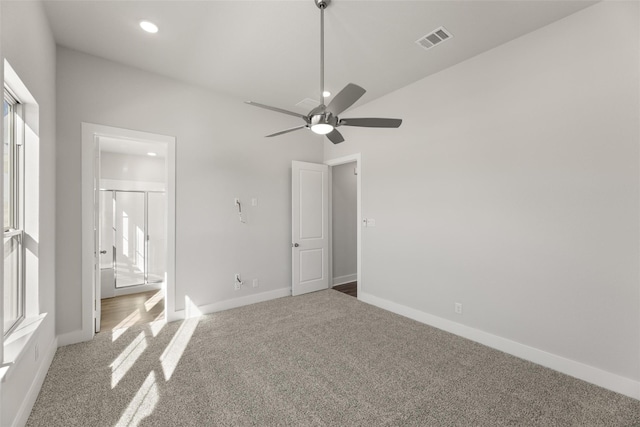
(129, 224)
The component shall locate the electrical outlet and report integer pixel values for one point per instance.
(255, 283)
(237, 282)
(457, 307)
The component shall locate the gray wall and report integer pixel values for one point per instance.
(344, 222)
(513, 188)
(28, 46)
(221, 154)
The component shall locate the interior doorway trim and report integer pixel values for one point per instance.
(336, 162)
(90, 134)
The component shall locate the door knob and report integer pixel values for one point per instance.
(103, 252)
(295, 245)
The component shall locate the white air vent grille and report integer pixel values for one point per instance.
(308, 104)
(435, 37)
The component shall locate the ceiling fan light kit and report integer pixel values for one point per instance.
(324, 119)
(322, 124)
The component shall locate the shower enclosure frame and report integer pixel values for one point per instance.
(114, 264)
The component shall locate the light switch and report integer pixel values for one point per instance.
(254, 202)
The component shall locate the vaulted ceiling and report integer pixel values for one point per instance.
(268, 51)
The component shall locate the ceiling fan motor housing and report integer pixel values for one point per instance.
(324, 118)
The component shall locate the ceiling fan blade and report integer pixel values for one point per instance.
(335, 137)
(345, 98)
(276, 109)
(286, 131)
(371, 122)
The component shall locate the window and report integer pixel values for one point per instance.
(14, 301)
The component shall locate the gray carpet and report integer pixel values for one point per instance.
(319, 359)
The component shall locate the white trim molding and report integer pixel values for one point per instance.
(235, 302)
(27, 404)
(341, 280)
(579, 370)
(74, 337)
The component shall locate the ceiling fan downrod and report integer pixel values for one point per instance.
(322, 5)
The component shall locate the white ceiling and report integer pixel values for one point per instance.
(268, 51)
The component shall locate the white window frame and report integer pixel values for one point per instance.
(15, 230)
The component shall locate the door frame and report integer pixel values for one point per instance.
(357, 158)
(90, 134)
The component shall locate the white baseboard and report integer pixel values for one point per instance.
(137, 289)
(570, 367)
(30, 399)
(237, 302)
(341, 280)
(74, 337)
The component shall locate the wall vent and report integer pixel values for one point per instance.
(308, 104)
(435, 37)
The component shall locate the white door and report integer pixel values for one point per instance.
(107, 242)
(97, 291)
(310, 227)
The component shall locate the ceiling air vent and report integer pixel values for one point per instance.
(433, 38)
(308, 104)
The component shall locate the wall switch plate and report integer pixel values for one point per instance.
(237, 283)
(457, 307)
(254, 202)
(255, 283)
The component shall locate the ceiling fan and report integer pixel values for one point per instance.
(324, 119)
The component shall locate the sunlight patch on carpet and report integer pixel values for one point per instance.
(121, 365)
(157, 325)
(143, 403)
(172, 354)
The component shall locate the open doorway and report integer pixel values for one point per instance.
(131, 232)
(128, 226)
(345, 225)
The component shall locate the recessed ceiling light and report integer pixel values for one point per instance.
(326, 94)
(149, 27)
(151, 154)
